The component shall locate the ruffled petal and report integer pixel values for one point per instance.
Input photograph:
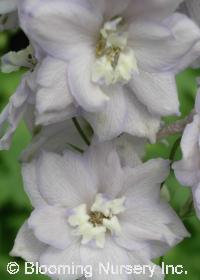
(139, 259)
(109, 123)
(104, 161)
(111, 253)
(145, 179)
(110, 8)
(87, 94)
(154, 9)
(63, 257)
(49, 224)
(27, 246)
(53, 93)
(139, 121)
(190, 138)
(31, 185)
(187, 171)
(157, 92)
(65, 180)
(13, 113)
(172, 41)
(61, 28)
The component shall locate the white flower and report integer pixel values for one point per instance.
(90, 209)
(187, 170)
(20, 103)
(38, 94)
(121, 64)
(192, 8)
(8, 14)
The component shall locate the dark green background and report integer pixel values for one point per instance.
(14, 204)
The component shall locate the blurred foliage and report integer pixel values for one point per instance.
(14, 204)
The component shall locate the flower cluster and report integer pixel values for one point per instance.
(100, 75)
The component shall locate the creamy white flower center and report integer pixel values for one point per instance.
(115, 61)
(92, 225)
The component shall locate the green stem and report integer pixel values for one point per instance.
(187, 210)
(174, 149)
(172, 155)
(80, 131)
(76, 148)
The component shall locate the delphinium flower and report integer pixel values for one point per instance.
(21, 101)
(37, 97)
(8, 14)
(89, 209)
(187, 170)
(122, 58)
(192, 9)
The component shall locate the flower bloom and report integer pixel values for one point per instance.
(187, 170)
(88, 208)
(121, 58)
(192, 9)
(35, 100)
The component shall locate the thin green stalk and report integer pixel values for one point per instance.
(80, 131)
(76, 148)
(174, 149)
